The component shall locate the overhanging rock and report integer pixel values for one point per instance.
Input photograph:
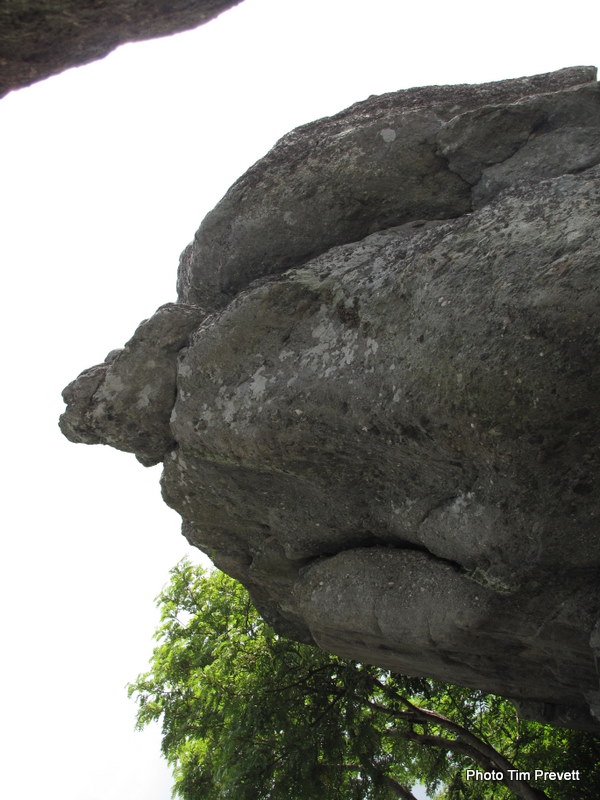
(39, 38)
(377, 401)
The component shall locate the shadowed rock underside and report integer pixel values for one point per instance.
(39, 38)
(377, 399)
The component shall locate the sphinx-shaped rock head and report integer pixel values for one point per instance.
(377, 400)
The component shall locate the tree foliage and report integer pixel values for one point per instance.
(249, 715)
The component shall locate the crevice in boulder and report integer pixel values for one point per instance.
(381, 542)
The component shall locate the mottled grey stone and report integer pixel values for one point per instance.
(394, 443)
(126, 402)
(388, 160)
(537, 137)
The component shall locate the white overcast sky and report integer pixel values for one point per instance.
(105, 173)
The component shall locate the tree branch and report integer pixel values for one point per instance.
(482, 753)
(467, 744)
(398, 789)
(454, 745)
(392, 784)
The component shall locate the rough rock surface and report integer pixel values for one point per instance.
(383, 412)
(427, 153)
(140, 378)
(39, 38)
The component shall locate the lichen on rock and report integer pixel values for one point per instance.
(377, 400)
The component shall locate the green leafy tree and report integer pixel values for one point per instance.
(249, 715)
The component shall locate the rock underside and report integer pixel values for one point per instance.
(39, 38)
(377, 398)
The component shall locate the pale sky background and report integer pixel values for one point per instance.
(105, 173)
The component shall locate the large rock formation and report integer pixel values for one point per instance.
(42, 37)
(377, 399)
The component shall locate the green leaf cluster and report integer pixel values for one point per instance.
(251, 715)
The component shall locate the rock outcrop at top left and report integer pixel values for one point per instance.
(377, 399)
(39, 39)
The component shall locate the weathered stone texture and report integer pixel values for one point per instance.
(133, 383)
(387, 161)
(39, 38)
(395, 443)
